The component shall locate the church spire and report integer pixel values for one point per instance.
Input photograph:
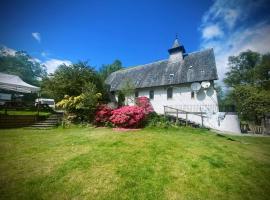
(176, 43)
(177, 51)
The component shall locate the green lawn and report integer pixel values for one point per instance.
(89, 163)
(24, 112)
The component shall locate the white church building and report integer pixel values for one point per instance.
(184, 81)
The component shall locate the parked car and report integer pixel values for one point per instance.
(45, 102)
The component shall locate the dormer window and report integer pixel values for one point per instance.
(202, 72)
(171, 76)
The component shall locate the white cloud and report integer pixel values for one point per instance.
(52, 64)
(7, 51)
(211, 31)
(35, 60)
(37, 36)
(238, 35)
(45, 54)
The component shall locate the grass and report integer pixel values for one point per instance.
(89, 163)
(24, 112)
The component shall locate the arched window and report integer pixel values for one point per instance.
(170, 93)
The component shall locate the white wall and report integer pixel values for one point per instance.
(205, 99)
(181, 98)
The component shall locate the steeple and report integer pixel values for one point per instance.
(177, 50)
(176, 43)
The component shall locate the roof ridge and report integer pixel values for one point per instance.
(202, 50)
(137, 66)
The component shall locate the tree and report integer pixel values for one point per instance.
(22, 65)
(127, 91)
(249, 78)
(252, 102)
(106, 70)
(70, 80)
(242, 68)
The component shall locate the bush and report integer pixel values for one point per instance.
(81, 107)
(128, 116)
(103, 114)
(144, 103)
(159, 121)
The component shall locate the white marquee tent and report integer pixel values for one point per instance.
(15, 83)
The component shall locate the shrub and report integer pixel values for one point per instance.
(128, 116)
(103, 114)
(82, 106)
(158, 121)
(144, 103)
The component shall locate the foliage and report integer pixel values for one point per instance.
(22, 65)
(144, 103)
(103, 114)
(83, 105)
(249, 78)
(127, 90)
(242, 68)
(121, 98)
(249, 68)
(71, 80)
(106, 70)
(128, 116)
(158, 121)
(252, 102)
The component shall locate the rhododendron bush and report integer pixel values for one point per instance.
(103, 114)
(127, 116)
(145, 104)
(124, 117)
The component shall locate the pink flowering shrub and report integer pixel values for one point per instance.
(103, 114)
(127, 116)
(144, 103)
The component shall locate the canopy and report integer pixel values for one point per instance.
(15, 83)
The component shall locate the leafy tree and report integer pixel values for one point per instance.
(262, 72)
(106, 70)
(242, 68)
(252, 102)
(71, 80)
(22, 65)
(249, 78)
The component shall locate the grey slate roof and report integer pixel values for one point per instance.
(195, 67)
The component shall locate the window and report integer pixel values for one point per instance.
(192, 95)
(169, 93)
(136, 94)
(151, 94)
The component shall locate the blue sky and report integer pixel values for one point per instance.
(136, 32)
